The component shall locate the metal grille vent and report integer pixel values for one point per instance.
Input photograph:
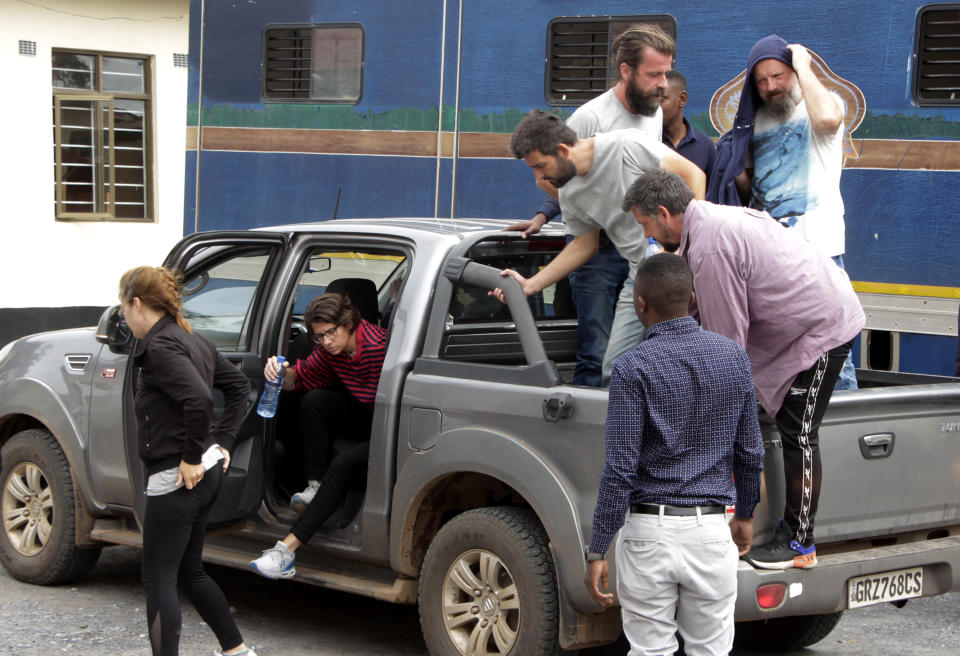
(580, 65)
(938, 56)
(577, 60)
(78, 361)
(28, 48)
(181, 60)
(286, 59)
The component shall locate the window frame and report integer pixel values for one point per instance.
(97, 94)
(611, 75)
(200, 252)
(310, 26)
(917, 59)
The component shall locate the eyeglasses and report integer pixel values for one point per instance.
(326, 334)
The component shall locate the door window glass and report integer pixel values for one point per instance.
(219, 300)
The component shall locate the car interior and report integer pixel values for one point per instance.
(372, 279)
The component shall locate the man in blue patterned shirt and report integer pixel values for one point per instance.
(682, 442)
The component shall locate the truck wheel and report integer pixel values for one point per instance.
(38, 508)
(786, 633)
(487, 586)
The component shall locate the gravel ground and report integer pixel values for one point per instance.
(103, 615)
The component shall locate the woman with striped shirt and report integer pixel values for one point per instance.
(340, 379)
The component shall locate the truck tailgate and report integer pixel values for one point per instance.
(891, 463)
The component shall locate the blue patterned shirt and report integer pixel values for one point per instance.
(682, 427)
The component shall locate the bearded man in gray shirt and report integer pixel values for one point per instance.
(592, 176)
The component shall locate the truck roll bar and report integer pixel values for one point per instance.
(464, 269)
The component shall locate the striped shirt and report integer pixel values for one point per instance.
(681, 429)
(360, 374)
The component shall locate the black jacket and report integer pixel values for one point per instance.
(174, 398)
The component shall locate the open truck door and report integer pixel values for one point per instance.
(226, 279)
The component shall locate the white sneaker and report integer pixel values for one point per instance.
(275, 563)
(245, 652)
(301, 500)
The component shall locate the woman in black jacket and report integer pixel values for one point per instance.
(183, 455)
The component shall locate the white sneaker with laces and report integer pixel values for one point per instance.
(277, 562)
(301, 500)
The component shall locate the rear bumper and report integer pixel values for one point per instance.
(823, 589)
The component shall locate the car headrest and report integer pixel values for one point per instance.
(362, 293)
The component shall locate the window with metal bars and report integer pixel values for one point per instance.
(580, 65)
(101, 128)
(313, 63)
(937, 77)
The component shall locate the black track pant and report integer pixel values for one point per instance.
(327, 415)
(799, 424)
(173, 529)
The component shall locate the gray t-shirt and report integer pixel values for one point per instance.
(593, 200)
(605, 113)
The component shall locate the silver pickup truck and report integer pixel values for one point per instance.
(484, 459)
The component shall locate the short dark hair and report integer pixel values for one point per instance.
(628, 47)
(673, 75)
(666, 281)
(332, 308)
(540, 131)
(655, 188)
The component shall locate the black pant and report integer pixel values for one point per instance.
(345, 467)
(327, 415)
(173, 528)
(799, 424)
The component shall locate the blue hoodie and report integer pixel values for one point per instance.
(733, 146)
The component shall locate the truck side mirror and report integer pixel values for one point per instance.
(113, 330)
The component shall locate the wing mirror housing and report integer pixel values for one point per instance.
(113, 330)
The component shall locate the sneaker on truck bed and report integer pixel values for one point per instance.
(777, 554)
(278, 562)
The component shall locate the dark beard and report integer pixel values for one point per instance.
(670, 246)
(645, 103)
(567, 173)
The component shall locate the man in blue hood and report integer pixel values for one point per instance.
(783, 103)
(792, 166)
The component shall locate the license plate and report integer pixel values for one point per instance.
(886, 586)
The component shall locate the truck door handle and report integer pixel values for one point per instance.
(557, 407)
(876, 445)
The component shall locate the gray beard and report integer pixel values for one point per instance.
(782, 109)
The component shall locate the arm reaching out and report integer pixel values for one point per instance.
(695, 178)
(530, 227)
(572, 257)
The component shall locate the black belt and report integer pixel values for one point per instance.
(676, 511)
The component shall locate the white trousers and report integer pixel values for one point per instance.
(677, 573)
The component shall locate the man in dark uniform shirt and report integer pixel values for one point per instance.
(678, 134)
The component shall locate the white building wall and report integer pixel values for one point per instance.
(50, 263)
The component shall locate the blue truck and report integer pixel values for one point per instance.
(309, 109)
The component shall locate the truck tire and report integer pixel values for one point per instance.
(38, 544)
(488, 586)
(783, 634)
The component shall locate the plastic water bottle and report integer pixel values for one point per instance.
(271, 393)
(653, 247)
